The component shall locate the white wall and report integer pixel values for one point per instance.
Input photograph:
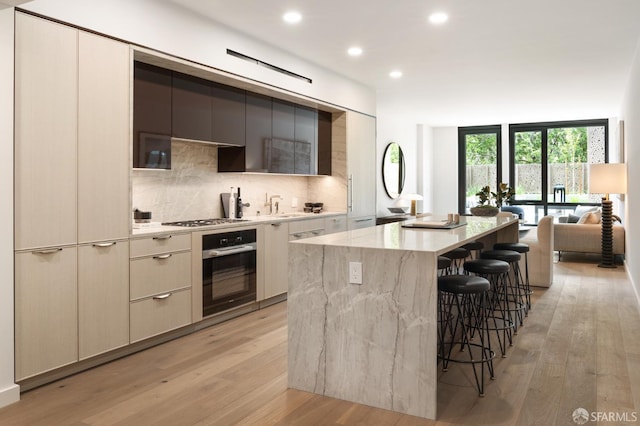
(630, 113)
(395, 128)
(173, 30)
(9, 392)
(445, 169)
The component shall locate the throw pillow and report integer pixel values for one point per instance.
(589, 218)
(596, 216)
(581, 210)
(573, 218)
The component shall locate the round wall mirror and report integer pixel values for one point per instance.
(393, 170)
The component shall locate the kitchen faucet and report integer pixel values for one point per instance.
(274, 200)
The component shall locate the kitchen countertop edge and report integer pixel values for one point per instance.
(250, 220)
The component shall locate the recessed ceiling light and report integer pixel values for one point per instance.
(438, 18)
(355, 51)
(292, 17)
(395, 74)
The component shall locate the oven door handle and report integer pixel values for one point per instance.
(208, 254)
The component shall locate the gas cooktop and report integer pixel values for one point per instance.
(203, 222)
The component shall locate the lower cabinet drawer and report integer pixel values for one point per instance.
(159, 274)
(159, 314)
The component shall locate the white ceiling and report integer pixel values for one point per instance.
(494, 61)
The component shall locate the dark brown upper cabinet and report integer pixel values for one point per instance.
(191, 106)
(283, 116)
(306, 140)
(151, 116)
(229, 114)
(259, 130)
(324, 143)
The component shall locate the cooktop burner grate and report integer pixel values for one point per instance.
(203, 222)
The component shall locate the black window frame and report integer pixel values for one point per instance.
(544, 127)
(462, 158)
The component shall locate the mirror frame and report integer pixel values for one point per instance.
(388, 187)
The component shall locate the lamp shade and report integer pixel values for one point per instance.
(608, 178)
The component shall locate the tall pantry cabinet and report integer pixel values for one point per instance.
(361, 169)
(71, 195)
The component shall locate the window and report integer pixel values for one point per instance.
(549, 164)
(479, 161)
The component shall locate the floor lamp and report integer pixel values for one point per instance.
(607, 178)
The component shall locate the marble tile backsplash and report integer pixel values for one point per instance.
(191, 189)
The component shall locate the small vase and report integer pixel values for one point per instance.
(484, 211)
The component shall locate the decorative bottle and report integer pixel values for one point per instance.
(232, 204)
(239, 205)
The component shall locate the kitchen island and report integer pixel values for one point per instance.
(374, 343)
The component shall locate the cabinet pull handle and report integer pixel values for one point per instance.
(363, 220)
(297, 235)
(275, 224)
(161, 296)
(162, 237)
(102, 245)
(162, 256)
(318, 232)
(47, 251)
(350, 191)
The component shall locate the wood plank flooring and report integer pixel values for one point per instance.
(579, 347)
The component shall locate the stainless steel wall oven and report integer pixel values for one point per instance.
(228, 270)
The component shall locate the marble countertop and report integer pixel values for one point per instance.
(395, 237)
(248, 221)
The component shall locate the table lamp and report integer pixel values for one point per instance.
(607, 178)
(413, 198)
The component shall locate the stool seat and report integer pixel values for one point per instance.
(474, 245)
(443, 262)
(486, 266)
(519, 247)
(457, 253)
(504, 255)
(463, 284)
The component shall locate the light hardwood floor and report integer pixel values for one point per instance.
(580, 347)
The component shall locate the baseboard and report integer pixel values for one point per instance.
(633, 284)
(9, 395)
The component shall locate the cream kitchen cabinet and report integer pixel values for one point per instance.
(361, 170)
(276, 258)
(72, 136)
(334, 224)
(46, 123)
(46, 303)
(160, 277)
(103, 297)
(71, 186)
(306, 228)
(103, 139)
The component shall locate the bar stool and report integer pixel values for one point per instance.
(475, 248)
(462, 304)
(498, 312)
(515, 299)
(522, 249)
(457, 256)
(444, 265)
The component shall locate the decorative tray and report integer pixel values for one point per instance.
(433, 224)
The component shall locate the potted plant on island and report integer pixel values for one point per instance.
(485, 197)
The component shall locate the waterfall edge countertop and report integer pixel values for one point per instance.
(374, 342)
(394, 236)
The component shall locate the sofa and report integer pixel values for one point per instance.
(582, 232)
(540, 256)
